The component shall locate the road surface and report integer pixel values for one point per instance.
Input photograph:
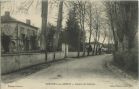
(82, 73)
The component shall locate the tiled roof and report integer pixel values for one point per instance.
(9, 19)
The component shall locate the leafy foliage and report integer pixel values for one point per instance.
(123, 17)
(73, 30)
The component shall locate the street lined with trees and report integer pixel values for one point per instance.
(81, 28)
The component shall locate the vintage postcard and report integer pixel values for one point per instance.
(69, 44)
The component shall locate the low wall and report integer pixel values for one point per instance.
(72, 54)
(14, 62)
(75, 54)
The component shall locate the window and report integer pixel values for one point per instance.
(22, 30)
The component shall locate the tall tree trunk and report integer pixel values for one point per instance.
(96, 41)
(90, 26)
(0, 36)
(0, 33)
(44, 31)
(59, 27)
(79, 43)
(79, 40)
(130, 43)
(90, 38)
(97, 45)
(83, 14)
(79, 35)
(83, 43)
(93, 51)
(115, 40)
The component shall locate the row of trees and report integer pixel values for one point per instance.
(111, 21)
(118, 23)
(87, 16)
(123, 20)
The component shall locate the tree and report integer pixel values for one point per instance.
(97, 23)
(130, 14)
(89, 21)
(81, 13)
(52, 30)
(0, 23)
(44, 31)
(123, 20)
(110, 10)
(73, 29)
(123, 17)
(59, 26)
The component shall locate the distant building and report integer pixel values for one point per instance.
(103, 47)
(17, 35)
(92, 44)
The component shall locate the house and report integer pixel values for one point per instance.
(108, 48)
(16, 35)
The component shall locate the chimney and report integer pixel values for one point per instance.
(28, 21)
(7, 13)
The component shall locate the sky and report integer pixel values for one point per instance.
(18, 10)
(33, 13)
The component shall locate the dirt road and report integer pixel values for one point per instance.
(82, 73)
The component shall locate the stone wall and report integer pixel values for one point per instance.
(14, 62)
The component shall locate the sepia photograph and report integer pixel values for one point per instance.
(69, 44)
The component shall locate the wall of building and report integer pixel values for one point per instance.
(14, 30)
(27, 30)
(9, 29)
(14, 62)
